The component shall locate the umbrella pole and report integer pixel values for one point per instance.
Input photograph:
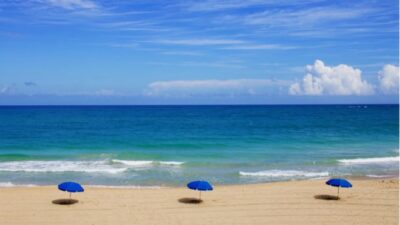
(199, 195)
(338, 192)
(70, 195)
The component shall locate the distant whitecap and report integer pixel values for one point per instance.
(381, 160)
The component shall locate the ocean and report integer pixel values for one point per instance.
(153, 146)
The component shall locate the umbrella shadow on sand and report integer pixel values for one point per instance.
(327, 197)
(190, 200)
(65, 201)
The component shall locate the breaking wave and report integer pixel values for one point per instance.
(60, 166)
(138, 163)
(113, 166)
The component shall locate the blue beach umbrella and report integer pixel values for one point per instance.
(338, 182)
(200, 185)
(70, 187)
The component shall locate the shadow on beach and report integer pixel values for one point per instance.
(190, 200)
(65, 201)
(326, 197)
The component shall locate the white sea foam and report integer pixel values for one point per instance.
(138, 163)
(10, 184)
(382, 160)
(6, 184)
(60, 166)
(101, 166)
(379, 176)
(171, 163)
(284, 173)
(133, 163)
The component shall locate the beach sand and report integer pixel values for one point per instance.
(294, 202)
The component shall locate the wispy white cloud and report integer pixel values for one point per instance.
(327, 21)
(187, 53)
(4, 89)
(132, 25)
(7, 89)
(122, 45)
(229, 44)
(213, 87)
(74, 4)
(217, 5)
(389, 79)
(337, 80)
(92, 93)
(304, 17)
(105, 92)
(260, 47)
(30, 84)
(218, 64)
(54, 12)
(201, 42)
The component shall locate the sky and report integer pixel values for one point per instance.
(58, 52)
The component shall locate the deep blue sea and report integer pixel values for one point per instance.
(171, 145)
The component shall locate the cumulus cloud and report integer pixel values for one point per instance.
(213, 87)
(337, 80)
(389, 79)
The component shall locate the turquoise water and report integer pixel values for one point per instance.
(170, 145)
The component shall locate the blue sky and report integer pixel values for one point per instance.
(198, 52)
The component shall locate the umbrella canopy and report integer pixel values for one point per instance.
(70, 187)
(200, 185)
(338, 182)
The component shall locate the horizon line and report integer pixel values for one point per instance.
(239, 104)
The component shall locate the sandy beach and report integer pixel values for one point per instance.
(295, 202)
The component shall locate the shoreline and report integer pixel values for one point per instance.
(383, 177)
